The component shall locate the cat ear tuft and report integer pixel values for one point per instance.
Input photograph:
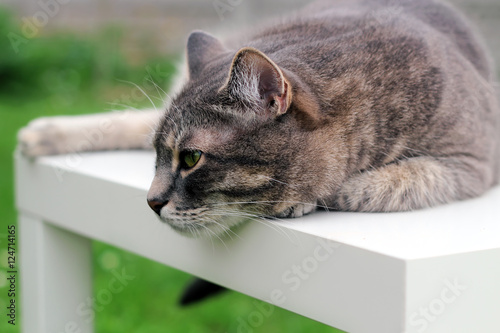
(201, 48)
(258, 82)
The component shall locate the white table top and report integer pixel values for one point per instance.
(467, 226)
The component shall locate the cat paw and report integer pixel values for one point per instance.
(297, 210)
(42, 136)
(356, 195)
(73, 134)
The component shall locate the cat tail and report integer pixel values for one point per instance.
(198, 290)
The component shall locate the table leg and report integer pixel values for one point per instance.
(56, 278)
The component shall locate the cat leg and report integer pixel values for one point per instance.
(106, 131)
(199, 290)
(412, 184)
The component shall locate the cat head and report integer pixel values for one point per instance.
(233, 144)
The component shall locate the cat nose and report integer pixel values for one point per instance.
(156, 205)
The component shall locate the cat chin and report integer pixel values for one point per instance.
(222, 229)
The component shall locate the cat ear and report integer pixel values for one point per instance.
(201, 48)
(257, 81)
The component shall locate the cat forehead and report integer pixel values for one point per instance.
(206, 139)
(209, 139)
(201, 121)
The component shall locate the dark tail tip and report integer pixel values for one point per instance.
(198, 290)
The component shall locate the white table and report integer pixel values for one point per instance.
(435, 270)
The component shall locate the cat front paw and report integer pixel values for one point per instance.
(42, 136)
(95, 132)
(357, 194)
(298, 210)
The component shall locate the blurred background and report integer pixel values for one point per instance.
(86, 56)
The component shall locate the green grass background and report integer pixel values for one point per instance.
(67, 74)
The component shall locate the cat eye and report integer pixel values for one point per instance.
(190, 158)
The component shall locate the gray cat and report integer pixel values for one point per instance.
(359, 105)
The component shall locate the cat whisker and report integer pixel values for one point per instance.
(210, 232)
(324, 206)
(253, 217)
(157, 87)
(142, 91)
(191, 230)
(128, 107)
(268, 223)
(207, 232)
(271, 202)
(224, 228)
(240, 203)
